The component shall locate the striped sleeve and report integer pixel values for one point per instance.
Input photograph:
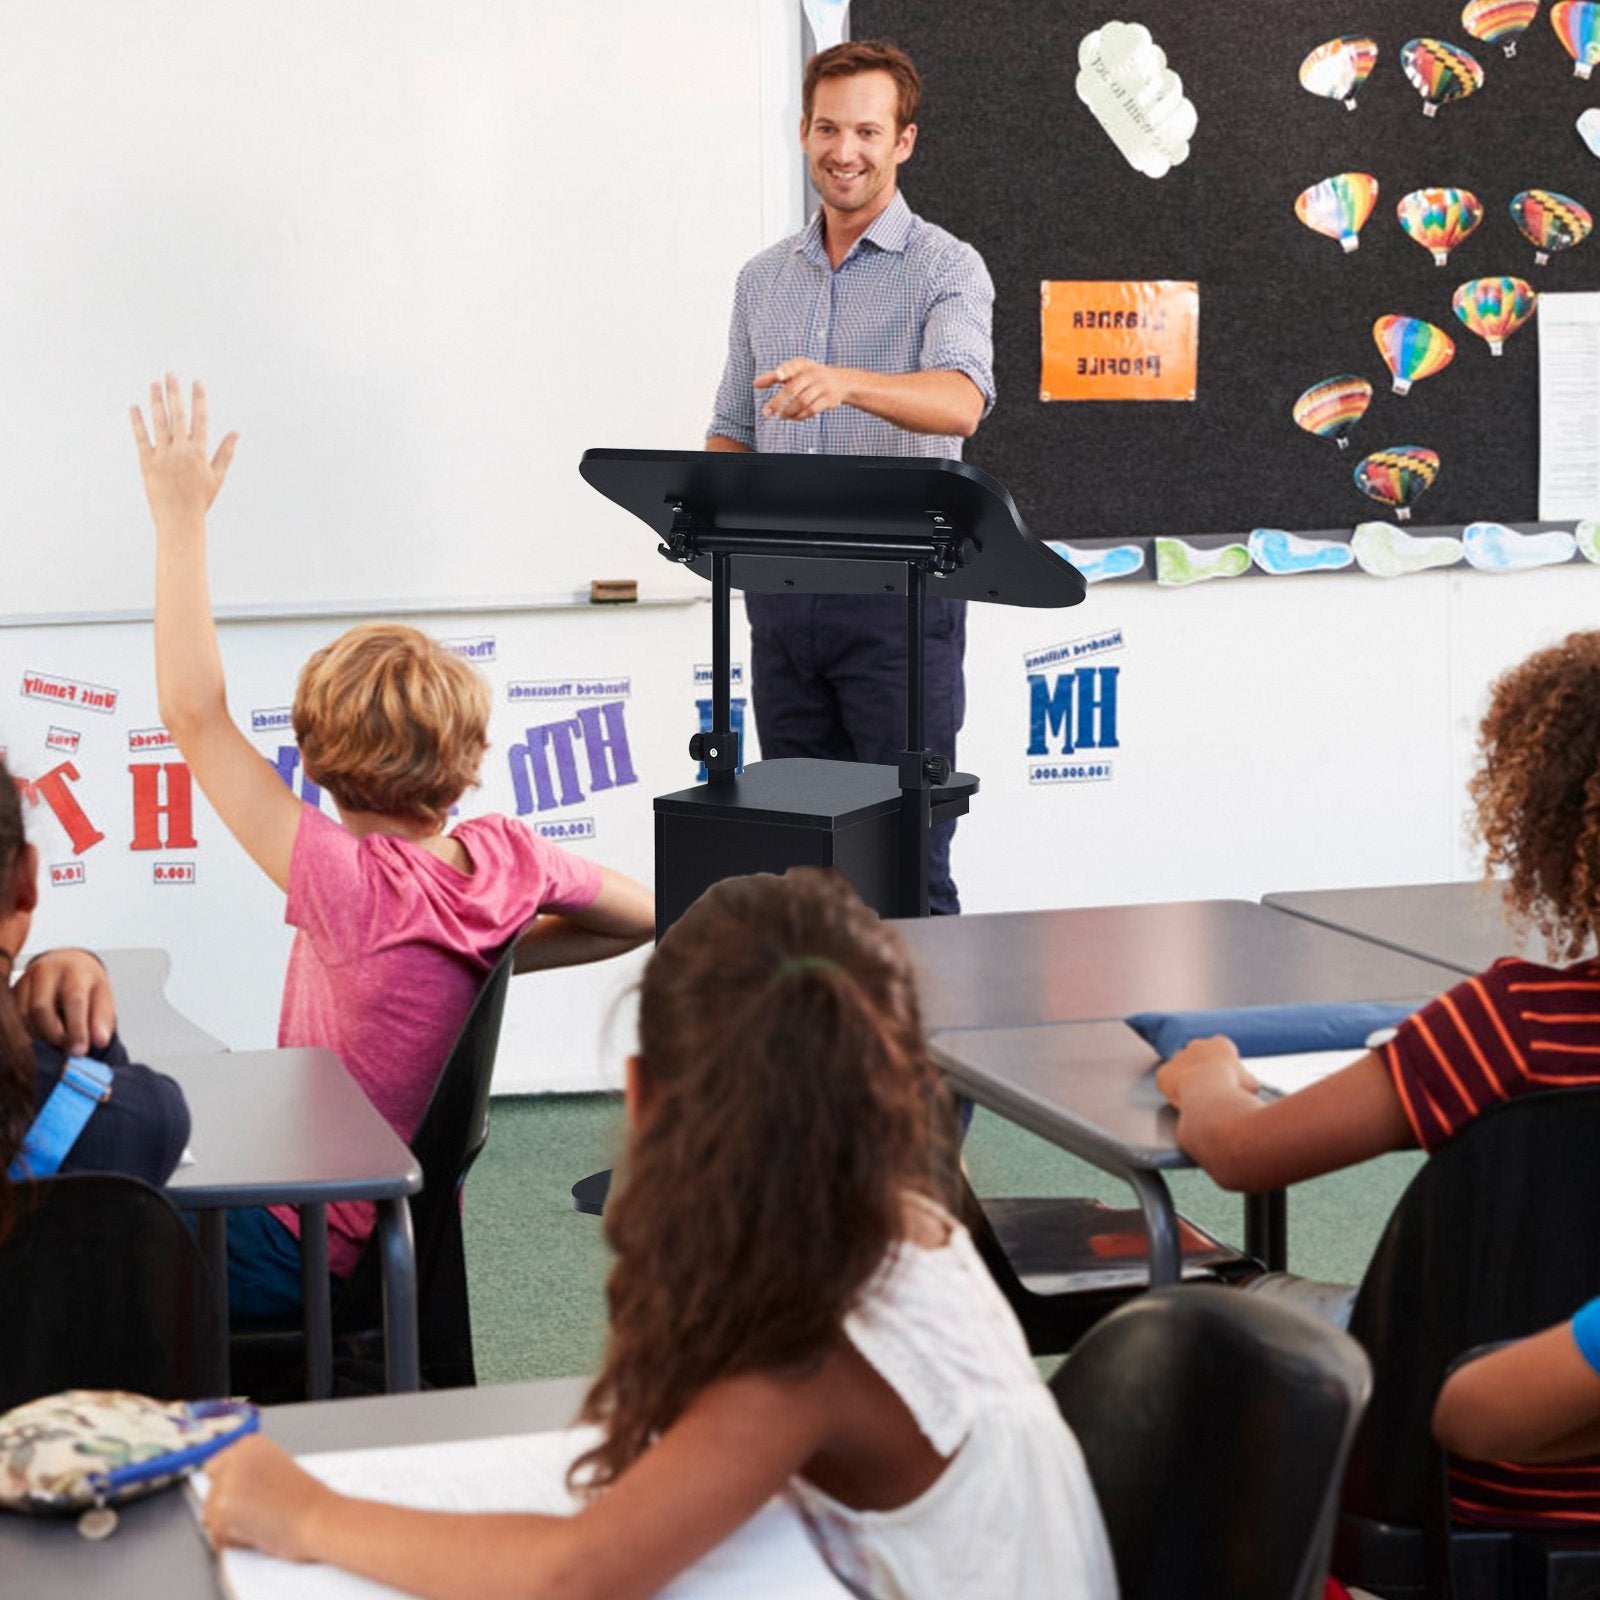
(1456, 1057)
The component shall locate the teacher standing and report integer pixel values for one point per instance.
(868, 333)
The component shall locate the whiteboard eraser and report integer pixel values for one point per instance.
(613, 591)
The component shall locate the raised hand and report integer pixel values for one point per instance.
(181, 478)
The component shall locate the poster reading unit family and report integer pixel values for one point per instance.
(1118, 340)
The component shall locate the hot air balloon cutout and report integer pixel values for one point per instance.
(1577, 25)
(1397, 476)
(1500, 22)
(1338, 206)
(1494, 308)
(1337, 69)
(1412, 349)
(1330, 409)
(1550, 222)
(1439, 219)
(1589, 129)
(1441, 72)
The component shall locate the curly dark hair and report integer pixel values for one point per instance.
(789, 1105)
(1537, 791)
(16, 1054)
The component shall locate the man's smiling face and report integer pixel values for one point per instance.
(853, 143)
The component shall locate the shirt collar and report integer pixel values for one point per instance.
(890, 230)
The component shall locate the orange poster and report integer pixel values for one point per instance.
(1118, 341)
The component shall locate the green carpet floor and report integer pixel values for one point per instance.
(537, 1268)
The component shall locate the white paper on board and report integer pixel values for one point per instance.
(829, 19)
(1124, 79)
(1569, 406)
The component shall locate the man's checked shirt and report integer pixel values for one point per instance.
(908, 298)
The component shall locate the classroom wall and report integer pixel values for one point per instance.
(1272, 734)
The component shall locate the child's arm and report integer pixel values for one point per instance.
(1535, 1400)
(621, 917)
(1246, 1144)
(737, 1444)
(180, 482)
(65, 998)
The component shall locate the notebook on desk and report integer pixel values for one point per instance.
(771, 1555)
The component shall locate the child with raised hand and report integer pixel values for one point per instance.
(396, 920)
(792, 1310)
(1516, 1029)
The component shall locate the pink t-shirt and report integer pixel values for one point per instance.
(391, 946)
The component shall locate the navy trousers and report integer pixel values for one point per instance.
(828, 679)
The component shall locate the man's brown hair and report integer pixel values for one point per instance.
(865, 55)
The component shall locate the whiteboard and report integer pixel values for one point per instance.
(422, 252)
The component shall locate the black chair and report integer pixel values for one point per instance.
(452, 1133)
(103, 1287)
(1215, 1427)
(1494, 1239)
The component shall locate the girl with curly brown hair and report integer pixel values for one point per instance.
(793, 1310)
(1516, 1029)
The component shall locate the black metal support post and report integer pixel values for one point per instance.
(718, 748)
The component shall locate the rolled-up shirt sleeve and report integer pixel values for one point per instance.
(958, 333)
(734, 414)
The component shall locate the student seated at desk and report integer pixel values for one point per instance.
(397, 921)
(138, 1123)
(1534, 1402)
(793, 1310)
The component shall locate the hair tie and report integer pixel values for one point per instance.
(799, 964)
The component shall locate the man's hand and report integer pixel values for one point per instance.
(65, 999)
(180, 479)
(805, 389)
(1204, 1063)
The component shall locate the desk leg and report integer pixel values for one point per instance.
(1266, 1229)
(316, 1299)
(213, 1229)
(401, 1356)
(1161, 1224)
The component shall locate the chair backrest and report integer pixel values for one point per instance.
(1495, 1238)
(453, 1130)
(1215, 1427)
(103, 1287)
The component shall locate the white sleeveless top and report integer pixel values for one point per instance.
(1013, 1513)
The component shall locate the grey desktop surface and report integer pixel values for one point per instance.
(157, 1552)
(1462, 925)
(1014, 968)
(283, 1127)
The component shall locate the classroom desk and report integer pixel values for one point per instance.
(292, 1127)
(157, 1549)
(1010, 968)
(1014, 970)
(1461, 925)
(147, 1022)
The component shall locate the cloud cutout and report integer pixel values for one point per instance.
(1124, 79)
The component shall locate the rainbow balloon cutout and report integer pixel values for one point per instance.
(1494, 308)
(1577, 25)
(1330, 409)
(1397, 476)
(1439, 219)
(1550, 222)
(1338, 206)
(1442, 72)
(1412, 349)
(1500, 22)
(1335, 70)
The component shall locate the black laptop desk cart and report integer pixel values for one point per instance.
(780, 524)
(803, 524)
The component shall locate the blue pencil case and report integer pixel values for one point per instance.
(1271, 1030)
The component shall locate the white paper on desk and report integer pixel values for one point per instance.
(770, 1556)
(1286, 1074)
(1569, 406)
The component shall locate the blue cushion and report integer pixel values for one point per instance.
(1271, 1030)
